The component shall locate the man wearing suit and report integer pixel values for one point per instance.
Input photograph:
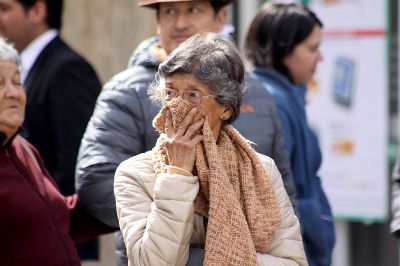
(61, 86)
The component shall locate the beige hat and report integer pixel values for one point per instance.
(153, 3)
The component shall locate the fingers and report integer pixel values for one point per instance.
(181, 153)
(186, 121)
(196, 140)
(169, 128)
(186, 130)
(181, 146)
(192, 129)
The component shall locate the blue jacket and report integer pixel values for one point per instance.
(305, 157)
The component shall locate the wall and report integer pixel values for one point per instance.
(106, 34)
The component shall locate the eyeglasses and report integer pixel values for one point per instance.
(194, 97)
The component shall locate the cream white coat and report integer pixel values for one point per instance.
(157, 219)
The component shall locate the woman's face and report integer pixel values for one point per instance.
(181, 84)
(12, 99)
(302, 62)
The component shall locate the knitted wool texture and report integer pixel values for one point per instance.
(235, 193)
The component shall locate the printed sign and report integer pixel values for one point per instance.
(348, 107)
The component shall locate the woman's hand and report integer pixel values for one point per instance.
(181, 145)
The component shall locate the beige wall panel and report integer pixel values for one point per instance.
(107, 31)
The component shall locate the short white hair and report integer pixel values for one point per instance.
(8, 52)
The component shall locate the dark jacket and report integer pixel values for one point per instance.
(61, 93)
(305, 157)
(38, 225)
(121, 127)
(395, 202)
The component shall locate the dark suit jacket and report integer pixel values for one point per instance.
(62, 89)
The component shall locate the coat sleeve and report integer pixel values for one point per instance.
(286, 128)
(395, 204)
(155, 213)
(286, 247)
(280, 156)
(81, 225)
(114, 133)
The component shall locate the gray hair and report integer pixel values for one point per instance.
(9, 53)
(214, 61)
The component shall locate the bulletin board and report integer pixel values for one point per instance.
(348, 107)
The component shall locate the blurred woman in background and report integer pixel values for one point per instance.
(283, 46)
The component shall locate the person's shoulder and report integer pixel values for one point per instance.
(21, 142)
(143, 55)
(266, 161)
(34, 158)
(268, 164)
(275, 88)
(133, 81)
(142, 67)
(252, 81)
(270, 80)
(60, 50)
(271, 170)
(254, 90)
(143, 159)
(138, 166)
(134, 74)
(135, 174)
(59, 59)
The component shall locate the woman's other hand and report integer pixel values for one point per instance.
(181, 145)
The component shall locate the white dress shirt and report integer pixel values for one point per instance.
(31, 52)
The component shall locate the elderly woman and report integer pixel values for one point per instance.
(283, 46)
(38, 226)
(203, 186)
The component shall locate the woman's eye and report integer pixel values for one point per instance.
(314, 48)
(170, 93)
(194, 94)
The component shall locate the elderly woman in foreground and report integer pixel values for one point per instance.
(203, 186)
(38, 226)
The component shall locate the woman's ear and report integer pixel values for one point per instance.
(226, 113)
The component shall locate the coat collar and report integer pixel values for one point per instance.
(8, 143)
(297, 91)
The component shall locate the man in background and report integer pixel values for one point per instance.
(61, 86)
(121, 125)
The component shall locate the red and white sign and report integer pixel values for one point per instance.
(348, 107)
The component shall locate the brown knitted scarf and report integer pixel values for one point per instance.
(235, 193)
